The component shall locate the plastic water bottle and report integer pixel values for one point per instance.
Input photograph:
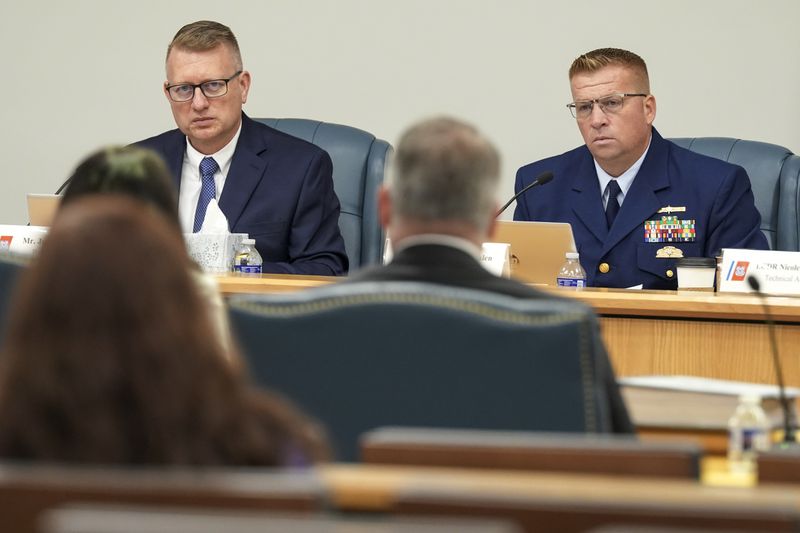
(571, 273)
(748, 431)
(247, 259)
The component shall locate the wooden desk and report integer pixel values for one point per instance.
(356, 487)
(699, 334)
(655, 332)
(269, 283)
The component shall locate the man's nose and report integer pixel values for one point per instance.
(598, 117)
(199, 100)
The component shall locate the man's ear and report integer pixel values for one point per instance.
(650, 108)
(244, 85)
(491, 227)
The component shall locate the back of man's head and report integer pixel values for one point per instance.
(445, 171)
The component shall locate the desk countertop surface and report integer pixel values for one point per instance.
(686, 304)
(374, 487)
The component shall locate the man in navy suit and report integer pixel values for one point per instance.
(438, 207)
(636, 202)
(275, 187)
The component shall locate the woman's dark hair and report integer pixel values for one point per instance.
(126, 170)
(110, 356)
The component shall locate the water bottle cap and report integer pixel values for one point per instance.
(248, 241)
(572, 255)
(750, 399)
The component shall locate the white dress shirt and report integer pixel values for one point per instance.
(625, 180)
(191, 182)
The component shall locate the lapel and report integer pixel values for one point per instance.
(173, 153)
(586, 197)
(247, 169)
(641, 201)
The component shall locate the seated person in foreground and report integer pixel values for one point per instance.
(110, 356)
(636, 201)
(141, 174)
(438, 206)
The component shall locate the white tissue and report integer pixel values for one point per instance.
(215, 221)
(213, 246)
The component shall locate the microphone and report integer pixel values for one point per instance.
(541, 179)
(64, 185)
(788, 430)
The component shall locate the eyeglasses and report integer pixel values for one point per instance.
(183, 92)
(608, 104)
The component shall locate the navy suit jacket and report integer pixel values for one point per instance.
(279, 190)
(446, 265)
(714, 194)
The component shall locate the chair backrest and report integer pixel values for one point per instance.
(775, 176)
(359, 163)
(598, 454)
(10, 270)
(362, 355)
(26, 491)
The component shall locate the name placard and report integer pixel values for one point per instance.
(777, 272)
(496, 258)
(21, 240)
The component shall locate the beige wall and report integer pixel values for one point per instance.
(85, 73)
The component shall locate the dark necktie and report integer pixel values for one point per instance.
(208, 191)
(612, 207)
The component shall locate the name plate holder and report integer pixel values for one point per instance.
(777, 272)
(496, 258)
(21, 240)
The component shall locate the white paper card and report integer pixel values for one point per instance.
(777, 272)
(387, 251)
(22, 240)
(496, 258)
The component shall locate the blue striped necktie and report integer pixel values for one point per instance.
(208, 191)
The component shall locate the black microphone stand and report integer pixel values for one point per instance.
(541, 179)
(788, 429)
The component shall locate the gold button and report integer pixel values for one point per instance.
(604, 268)
(670, 273)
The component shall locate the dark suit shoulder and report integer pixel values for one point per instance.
(163, 141)
(553, 162)
(170, 145)
(449, 266)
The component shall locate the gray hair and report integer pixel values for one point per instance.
(445, 170)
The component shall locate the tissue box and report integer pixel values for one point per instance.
(213, 252)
